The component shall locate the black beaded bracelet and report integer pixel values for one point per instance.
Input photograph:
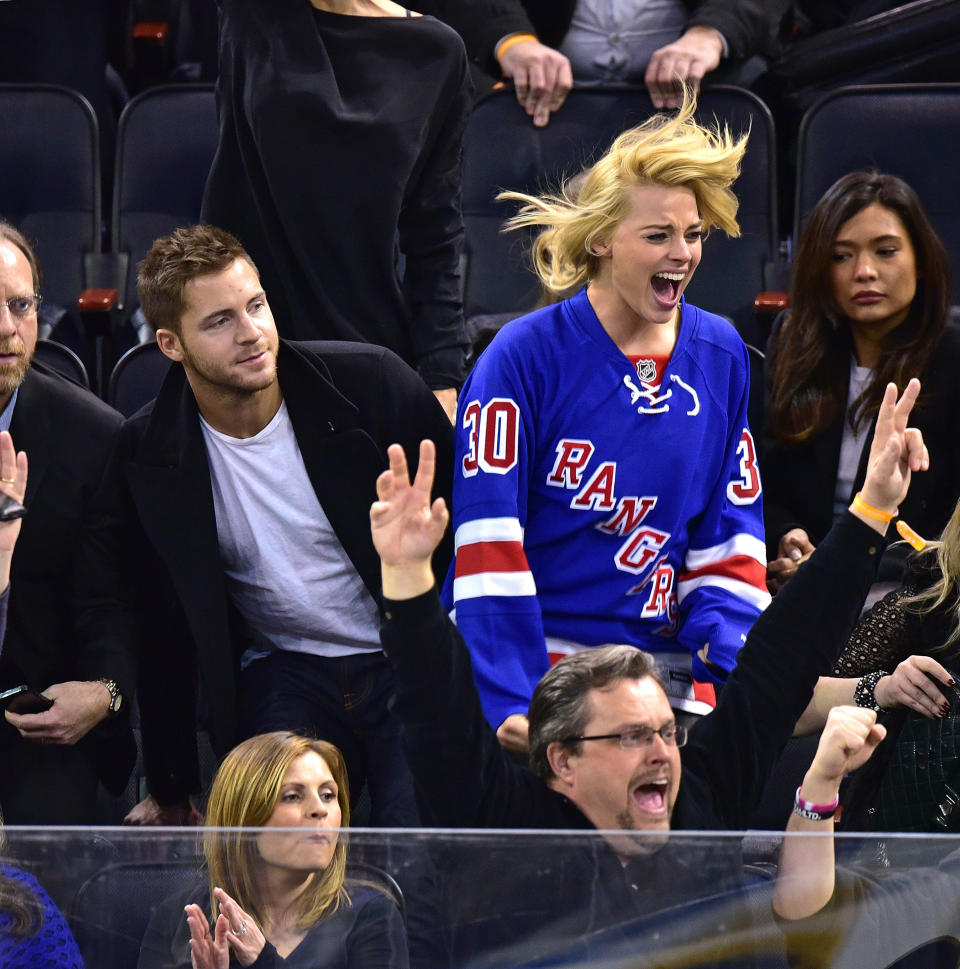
(864, 694)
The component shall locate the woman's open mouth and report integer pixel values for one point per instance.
(666, 288)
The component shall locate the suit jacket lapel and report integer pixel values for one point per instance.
(31, 424)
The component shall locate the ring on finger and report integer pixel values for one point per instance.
(243, 928)
(9, 480)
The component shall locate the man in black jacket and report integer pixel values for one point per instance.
(605, 749)
(68, 632)
(249, 479)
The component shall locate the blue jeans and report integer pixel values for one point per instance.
(342, 700)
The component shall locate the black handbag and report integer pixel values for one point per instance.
(912, 783)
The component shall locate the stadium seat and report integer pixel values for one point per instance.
(166, 140)
(505, 151)
(50, 181)
(62, 359)
(136, 378)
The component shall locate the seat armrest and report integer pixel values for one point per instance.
(97, 300)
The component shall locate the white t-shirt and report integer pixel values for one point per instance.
(852, 443)
(286, 571)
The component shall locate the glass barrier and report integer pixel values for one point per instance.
(449, 900)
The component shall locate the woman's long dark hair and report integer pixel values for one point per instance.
(812, 355)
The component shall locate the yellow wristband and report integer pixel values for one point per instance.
(511, 41)
(875, 513)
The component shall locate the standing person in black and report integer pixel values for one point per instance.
(604, 744)
(338, 168)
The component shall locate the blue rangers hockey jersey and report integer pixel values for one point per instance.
(591, 506)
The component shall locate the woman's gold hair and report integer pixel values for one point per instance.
(665, 150)
(946, 590)
(244, 794)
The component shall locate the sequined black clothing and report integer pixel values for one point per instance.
(895, 629)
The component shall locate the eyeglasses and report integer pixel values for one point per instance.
(672, 734)
(23, 306)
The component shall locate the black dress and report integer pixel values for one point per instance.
(340, 149)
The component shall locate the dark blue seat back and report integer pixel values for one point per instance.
(62, 359)
(166, 140)
(50, 180)
(137, 377)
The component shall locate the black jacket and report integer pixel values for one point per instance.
(799, 480)
(68, 618)
(347, 402)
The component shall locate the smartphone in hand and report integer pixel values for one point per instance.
(21, 699)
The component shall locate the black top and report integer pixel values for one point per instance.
(340, 149)
(366, 933)
(894, 629)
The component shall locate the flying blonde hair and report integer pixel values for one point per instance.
(664, 150)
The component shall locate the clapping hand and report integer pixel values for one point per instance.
(234, 930)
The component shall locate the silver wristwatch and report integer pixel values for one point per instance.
(116, 697)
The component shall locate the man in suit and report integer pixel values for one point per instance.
(250, 478)
(68, 633)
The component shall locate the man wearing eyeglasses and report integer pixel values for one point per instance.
(68, 634)
(605, 750)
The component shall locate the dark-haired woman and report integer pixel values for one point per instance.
(871, 301)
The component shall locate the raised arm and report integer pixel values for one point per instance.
(806, 878)
(895, 453)
(797, 638)
(405, 525)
